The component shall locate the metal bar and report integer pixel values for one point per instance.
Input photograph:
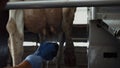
(57, 4)
(93, 12)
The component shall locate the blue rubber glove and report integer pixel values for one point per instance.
(34, 60)
(47, 50)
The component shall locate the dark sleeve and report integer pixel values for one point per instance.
(3, 3)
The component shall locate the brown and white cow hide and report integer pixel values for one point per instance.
(46, 22)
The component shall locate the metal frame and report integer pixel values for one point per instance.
(57, 4)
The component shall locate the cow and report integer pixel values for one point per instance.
(47, 22)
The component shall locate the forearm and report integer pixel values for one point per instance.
(31, 61)
(34, 60)
(24, 64)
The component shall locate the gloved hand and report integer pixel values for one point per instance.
(47, 50)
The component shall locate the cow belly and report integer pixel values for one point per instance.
(38, 19)
(33, 20)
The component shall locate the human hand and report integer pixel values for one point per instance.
(47, 50)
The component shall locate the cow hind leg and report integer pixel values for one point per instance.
(16, 37)
(69, 52)
(60, 51)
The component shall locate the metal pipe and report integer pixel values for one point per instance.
(57, 4)
(93, 13)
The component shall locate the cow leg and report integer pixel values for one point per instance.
(69, 53)
(60, 51)
(16, 37)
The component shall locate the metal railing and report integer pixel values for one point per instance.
(57, 4)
